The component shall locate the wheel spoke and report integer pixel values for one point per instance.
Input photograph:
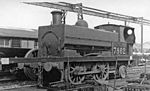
(73, 71)
(104, 72)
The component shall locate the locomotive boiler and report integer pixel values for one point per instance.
(61, 40)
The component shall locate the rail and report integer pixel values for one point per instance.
(87, 86)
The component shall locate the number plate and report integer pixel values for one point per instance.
(119, 49)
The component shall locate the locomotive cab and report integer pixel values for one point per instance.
(126, 33)
(126, 37)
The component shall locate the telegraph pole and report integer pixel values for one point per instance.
(142, 36)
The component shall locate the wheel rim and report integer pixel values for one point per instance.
(103, 74)
(72, 74)
(31, 70)
(122, 71)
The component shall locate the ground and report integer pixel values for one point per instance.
(133, 73)
(26, 89)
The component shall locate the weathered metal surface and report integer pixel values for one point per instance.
(55, 38)
(87, 35)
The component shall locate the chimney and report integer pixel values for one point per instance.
(57, 17)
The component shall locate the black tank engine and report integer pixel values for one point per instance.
(108, 40)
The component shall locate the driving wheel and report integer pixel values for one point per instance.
(103, 70)
(72, 73)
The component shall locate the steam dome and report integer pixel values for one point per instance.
(81, 23)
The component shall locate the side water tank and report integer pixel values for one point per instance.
(81, 23)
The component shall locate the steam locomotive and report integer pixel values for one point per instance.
(79, 41)
(61, 40)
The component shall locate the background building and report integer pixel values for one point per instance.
(16, 42)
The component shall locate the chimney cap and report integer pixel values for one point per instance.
(59, 12)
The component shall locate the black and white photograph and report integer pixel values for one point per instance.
(74, 45)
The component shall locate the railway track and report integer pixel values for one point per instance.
(133, 73)
(8, 85)
(10, 81)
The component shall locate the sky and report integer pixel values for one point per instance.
(15, 14)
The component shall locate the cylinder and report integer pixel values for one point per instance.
(56, 17)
